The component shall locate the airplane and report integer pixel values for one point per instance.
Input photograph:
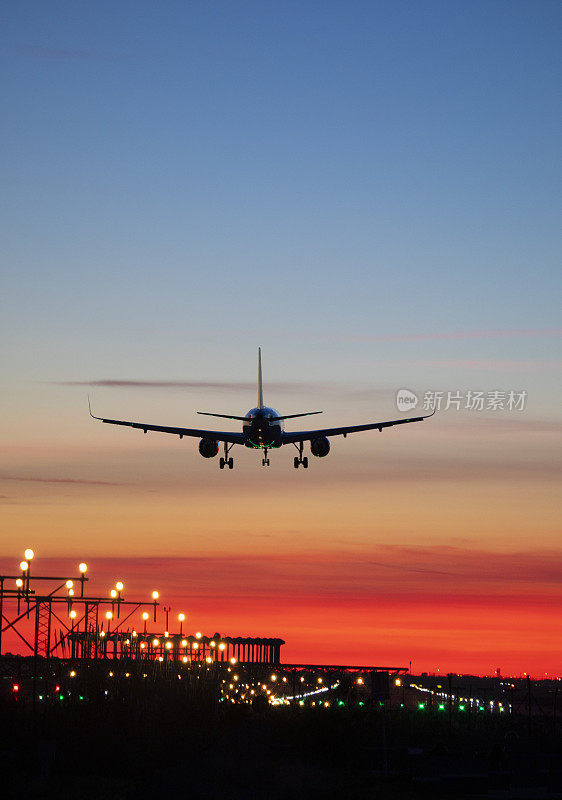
(262, 429)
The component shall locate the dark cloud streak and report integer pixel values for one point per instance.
(78, 481)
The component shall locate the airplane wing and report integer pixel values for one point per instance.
(219, 436)
(305, 436)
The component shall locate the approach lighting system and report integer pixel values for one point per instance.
(29, 554)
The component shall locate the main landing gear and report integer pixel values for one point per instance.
(265, 459)
(226, 461)
(299, 459)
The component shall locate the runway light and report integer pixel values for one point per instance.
(274, 677)
(71, 592)
(222, 646)
(72, 614)
(72, 673)
(209, 660)
(82, 567)
(168, 645)
(29, 554)
(360, 681)
(441, 706)
(109, 615)
(24, 566)
(421, 706)
(461, 708)
(69, 584)
(15, 687)
(184, 642)
(181, 617)
(233, 660)
(213, 643)
(19, 583)
(155, 595)
(145, 614)
(113, 593)
(119, 586)
(198, 635)
(195, 645)
(398, 682)
(155, 642)
(184, 659)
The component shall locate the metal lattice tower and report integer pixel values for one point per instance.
(43, 628)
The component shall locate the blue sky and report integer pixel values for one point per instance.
(183, 182)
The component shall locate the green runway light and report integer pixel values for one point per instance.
(61, 697)
(441, 706)
(341, 703)
(40, 697)
(461, 708)
(361, 703)
(421, 706)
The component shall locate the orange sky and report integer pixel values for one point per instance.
(437, 542)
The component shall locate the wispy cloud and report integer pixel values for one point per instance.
(507, 333)
(62, 53)
(78, 481)
(285, 387)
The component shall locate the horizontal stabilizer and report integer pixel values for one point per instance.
(223, 416)
(292, 416)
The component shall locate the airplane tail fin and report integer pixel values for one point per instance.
(260, 387)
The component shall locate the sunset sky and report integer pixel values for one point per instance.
(371, 192)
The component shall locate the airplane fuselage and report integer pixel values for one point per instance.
(259, 433)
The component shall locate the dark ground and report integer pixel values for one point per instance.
(118, 751)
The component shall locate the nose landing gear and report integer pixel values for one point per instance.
(299, 459)
(265, 459)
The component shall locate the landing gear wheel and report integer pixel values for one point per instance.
(221, 463)
(230, 463)
(305, 462)
(296, 462)
(265, 462)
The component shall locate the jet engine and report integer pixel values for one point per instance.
(320, 447)
(208, 448)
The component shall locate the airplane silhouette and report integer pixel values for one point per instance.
(262, 429)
